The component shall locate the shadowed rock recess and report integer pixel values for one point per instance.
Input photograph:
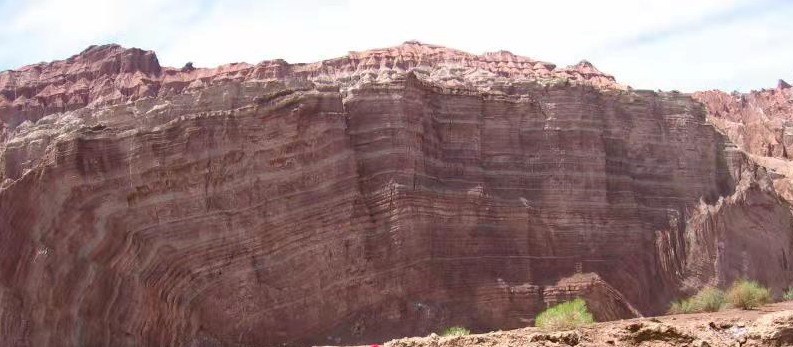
(387, 193)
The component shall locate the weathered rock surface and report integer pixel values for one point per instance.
(761, 122)
(387, 193)
(111, 74)
(769, 327)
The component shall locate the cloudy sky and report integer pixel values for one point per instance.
(663, 44)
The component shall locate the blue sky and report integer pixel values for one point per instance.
(686, 45)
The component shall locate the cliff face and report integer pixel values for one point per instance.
(387, 193)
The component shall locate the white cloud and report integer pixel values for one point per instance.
(672, 44)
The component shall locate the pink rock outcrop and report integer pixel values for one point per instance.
(386, 193)
(761, 122)
(111, 74)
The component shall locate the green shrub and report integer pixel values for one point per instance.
(681, 306)
(558, 81)
(748, 294)
(710, 299)
(706, 300)
(565, 316)
(788, 296)
(456, 331)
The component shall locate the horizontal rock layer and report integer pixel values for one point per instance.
(110, 74)
(388, 193)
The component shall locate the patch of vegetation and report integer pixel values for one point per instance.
(748, 295)
(788, 296)
(456, 331)
(558, 81)
(565, 316)
(706, 300)
(680, 307)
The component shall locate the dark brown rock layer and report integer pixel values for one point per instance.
(388, 193)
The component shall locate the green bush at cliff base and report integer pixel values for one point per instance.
(706, 300)
(681, 307)
(456, 331)
(565, 316)
(788, 296)
(748, 295)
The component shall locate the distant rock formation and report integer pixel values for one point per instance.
(385, 193)
(111, 74)
(187, 67)
(761, 122)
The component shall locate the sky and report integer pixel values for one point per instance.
(684, 45)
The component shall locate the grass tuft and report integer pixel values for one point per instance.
(456, 331)
(748, 295)
(565, 316)
(788, 296)
(706, 300)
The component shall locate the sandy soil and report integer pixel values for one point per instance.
(771, 325)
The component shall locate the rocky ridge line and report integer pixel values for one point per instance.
(111, 74)
(760, 122)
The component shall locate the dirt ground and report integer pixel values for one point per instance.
(771, 325)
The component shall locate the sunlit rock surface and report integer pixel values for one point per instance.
(387, 193)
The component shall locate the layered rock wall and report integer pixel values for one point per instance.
(354, 200)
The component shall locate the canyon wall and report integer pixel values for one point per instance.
(387, 193)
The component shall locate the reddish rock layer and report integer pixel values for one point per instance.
(761, 122)
(111, 74)
(387, 193)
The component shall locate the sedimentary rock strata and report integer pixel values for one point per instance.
(387, 193)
